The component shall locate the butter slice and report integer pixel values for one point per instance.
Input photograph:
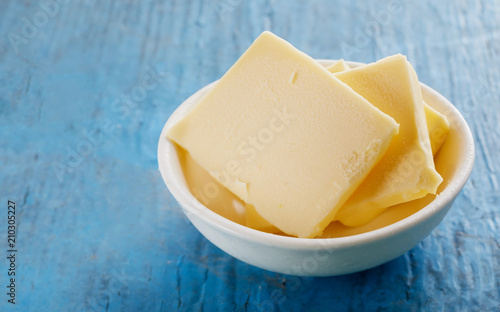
(255, 221)
(338, 66)
(406, 172)
(437, 123)
(279, 123)
(438, 128)
(209, 191)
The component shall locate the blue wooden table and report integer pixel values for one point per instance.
(85, 89)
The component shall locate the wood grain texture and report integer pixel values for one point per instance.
(104, 234)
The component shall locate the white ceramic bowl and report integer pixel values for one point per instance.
(325, 256)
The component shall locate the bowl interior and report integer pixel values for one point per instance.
(199, 194)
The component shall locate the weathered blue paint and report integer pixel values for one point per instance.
(107, 236)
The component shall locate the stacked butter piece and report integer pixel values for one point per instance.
(302, 145)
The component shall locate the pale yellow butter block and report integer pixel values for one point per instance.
(255, 221)
(437, 123)
(209, 191)
(218, 198)
(438, 127)
(406, 172)
(338, 66)
(286, 136)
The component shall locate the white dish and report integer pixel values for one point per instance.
(325, 256)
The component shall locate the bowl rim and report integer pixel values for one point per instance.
(190, 205)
